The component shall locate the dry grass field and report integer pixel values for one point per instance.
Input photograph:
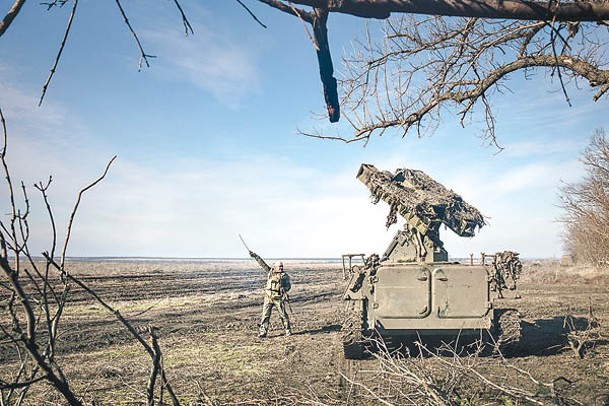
(206, 313)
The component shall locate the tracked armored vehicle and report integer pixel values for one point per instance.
(413, 291)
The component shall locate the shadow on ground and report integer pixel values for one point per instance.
(542, 337)
(549, 336)
(322, 330)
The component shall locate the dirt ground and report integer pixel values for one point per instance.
(206, 313)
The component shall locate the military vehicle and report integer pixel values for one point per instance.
(413, 291)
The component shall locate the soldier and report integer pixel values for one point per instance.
(275, 295)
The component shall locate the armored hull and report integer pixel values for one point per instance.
(428, 299)
(412, 291)
(423, 299)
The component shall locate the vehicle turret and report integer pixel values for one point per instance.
(425, 205)
(413, 292)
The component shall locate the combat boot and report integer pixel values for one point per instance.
(262, 330)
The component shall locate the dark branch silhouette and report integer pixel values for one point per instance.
(473, 45)
(34, 295)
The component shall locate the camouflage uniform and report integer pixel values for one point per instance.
(277, 286)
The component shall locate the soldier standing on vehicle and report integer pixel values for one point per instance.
(275, 295)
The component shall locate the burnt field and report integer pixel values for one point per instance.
(206, 313)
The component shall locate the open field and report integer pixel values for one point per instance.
(206, 314)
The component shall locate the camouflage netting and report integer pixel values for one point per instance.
(423, 202)
(508, 268)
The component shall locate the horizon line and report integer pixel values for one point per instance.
(171, 258)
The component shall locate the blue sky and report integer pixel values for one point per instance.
(207, 140)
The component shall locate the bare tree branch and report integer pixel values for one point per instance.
(10, 16)
(423, 66)
(187, 26)
(467, 58)
(251, 13)
(289, 9)
(75, 209)
(448, 379)
(21, 384)
(143, 55)
(512, 9)
(332, 138)
(152, 352)
(326, 69)
(585, 205)
(59, 52)
(34, 311)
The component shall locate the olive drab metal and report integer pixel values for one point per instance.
(413, 291)
(425, 205)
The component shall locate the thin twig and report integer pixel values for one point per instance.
(251, 14)
(187, 26)
(156, 364)
(333, 138)
(143, 55)
(299, 14)
(147, 347)
(75, 209)
(59, 52)
(553, 33)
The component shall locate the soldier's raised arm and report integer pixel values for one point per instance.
(260, 261)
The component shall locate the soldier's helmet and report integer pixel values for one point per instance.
(277, 264)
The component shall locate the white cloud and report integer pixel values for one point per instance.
(180, 207)
(20, 107)
(522, 178)
(212, 60)
(43, 143)
(520, 204)
(538, 147)
(197, 210)
(519, 196)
